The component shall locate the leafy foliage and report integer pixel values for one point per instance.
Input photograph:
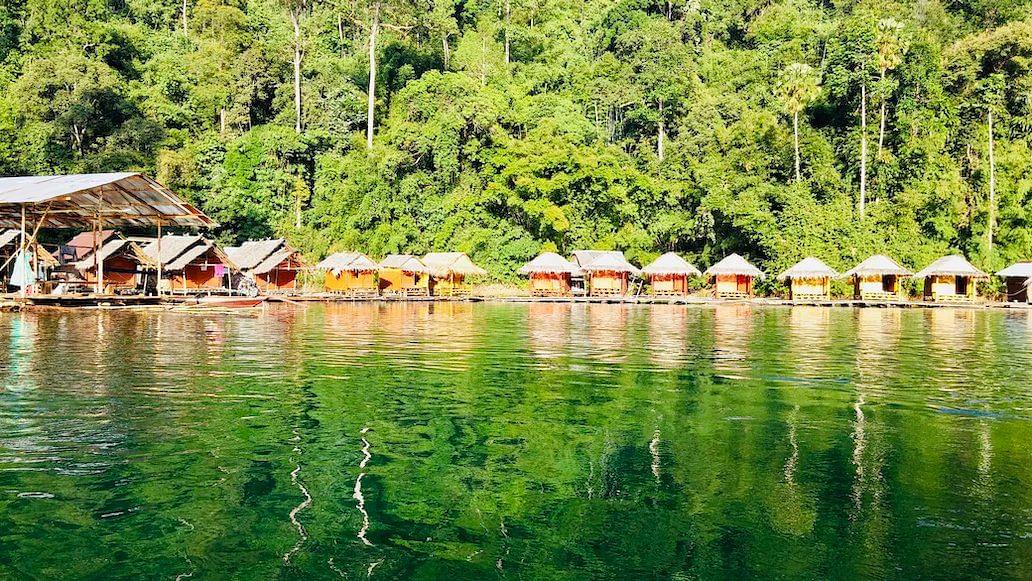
(633, 124)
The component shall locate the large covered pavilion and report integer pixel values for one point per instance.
(93, 201)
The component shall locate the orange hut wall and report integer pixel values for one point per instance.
(349, 280)
(550, 283)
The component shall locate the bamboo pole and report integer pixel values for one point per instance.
(158, 284)
(22, 250)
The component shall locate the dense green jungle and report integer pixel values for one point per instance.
(503, 128)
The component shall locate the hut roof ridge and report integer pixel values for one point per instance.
(734, 264)
(549, 263)
(445, 263)
(878, 265)
(952, 265)
(252, 253)
(671, 263)
(347, 261)
(809, 267)
(404, 262)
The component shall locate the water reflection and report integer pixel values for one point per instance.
(404, 440)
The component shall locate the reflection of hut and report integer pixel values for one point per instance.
(351, 273)
(668, 274)
(950, 279)
(606, 272)
(549, 274)
(448, 272)
(273, 264)
(405, 275)
(1018, 277)
(190, 263)
(809, 280)
(877, 278)
(124, 265)
(734, 277)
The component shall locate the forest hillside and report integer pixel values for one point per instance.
(503, 128)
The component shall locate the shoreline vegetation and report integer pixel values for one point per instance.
(776, 130)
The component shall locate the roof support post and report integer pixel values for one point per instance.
(24, 288)
(158, 286)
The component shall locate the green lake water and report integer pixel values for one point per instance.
(529, 441)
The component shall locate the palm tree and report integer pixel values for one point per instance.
(891, 46)
(798, 88)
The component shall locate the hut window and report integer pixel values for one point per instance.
(888, 283)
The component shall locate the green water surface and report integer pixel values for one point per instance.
(541, 441)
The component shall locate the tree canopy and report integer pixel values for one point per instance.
(504, 128)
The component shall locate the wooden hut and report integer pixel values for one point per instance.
(606, 272)
(809, 280)
(448, 273)
(668, 275)
(191, 264)
(351, 273)
(950, 279)
(734, 277)
(404, 275)
(1017, 277)
(550, 275)
(877, 279)
(272, 264)
(125, 264)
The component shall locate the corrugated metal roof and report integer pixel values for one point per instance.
(71, 201)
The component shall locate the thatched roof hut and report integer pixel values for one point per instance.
(549, 263)
(179, 251)
(671, 264)
(445, 264)
(734, 265)
(953, 265)
(951, 278)
(877, 278)
(808, 268)
(1018, 277)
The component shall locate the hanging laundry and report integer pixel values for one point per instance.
(21, 273)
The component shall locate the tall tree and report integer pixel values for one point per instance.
(892, 46)
(798, 88)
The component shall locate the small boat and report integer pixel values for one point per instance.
(231, 302)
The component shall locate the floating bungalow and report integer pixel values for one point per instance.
(273, 264)
(809, 280)
(550, 275)
(950, 279)
(404, 275)
(877, 279)
(124, 263)
(668, 275)
(1018, 278)
(734, 277)
(192, 264)
(350, 273)
(448, 273)
(606, 272)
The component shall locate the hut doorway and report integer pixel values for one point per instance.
(961, 285)
(888, 283)
(743, 283)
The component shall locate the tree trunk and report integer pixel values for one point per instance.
(660, 146)
(881, 124)
(222, 120)
(295, 19)
(992, 184)
(340, 33)
(374, 29)
(506, 31)
(186, 29)
(863, 149)
(447, 50)
(795, 131)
